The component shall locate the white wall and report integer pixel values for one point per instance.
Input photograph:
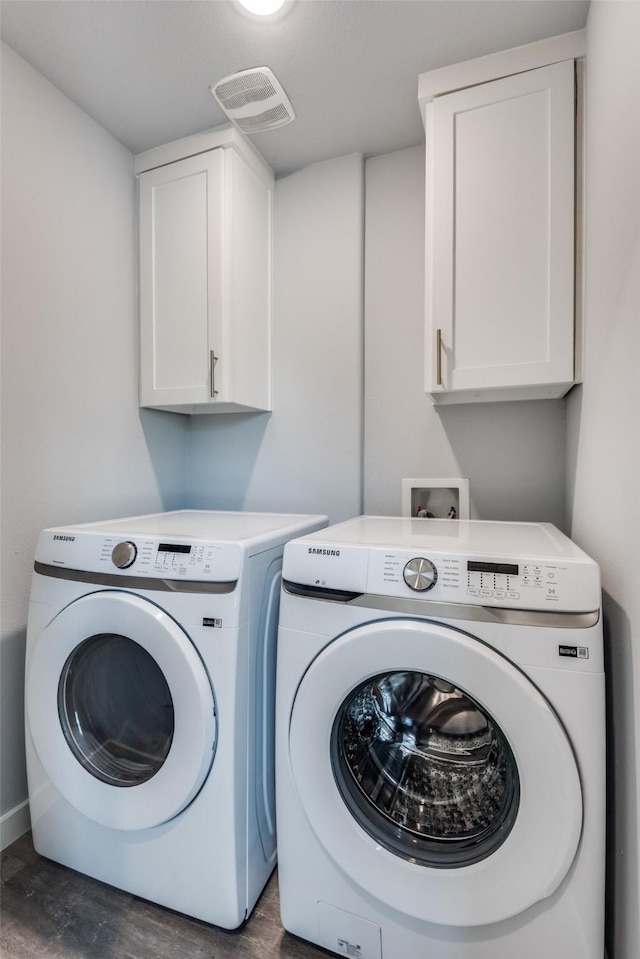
(307, 455)
(74, 447)
(512, 453)
(603, 429)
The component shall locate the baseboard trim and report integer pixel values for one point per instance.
(14, 824)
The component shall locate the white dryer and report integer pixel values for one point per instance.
(150, 682)
(440, 741)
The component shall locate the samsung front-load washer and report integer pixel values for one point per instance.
(440, 741)
(150, 680)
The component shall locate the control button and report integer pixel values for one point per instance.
(124, 555)
(499, 594)
(513, 595)
(420, 574)
(473, 592)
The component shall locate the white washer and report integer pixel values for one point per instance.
(150, 680)
(440, 741)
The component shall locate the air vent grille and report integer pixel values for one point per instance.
(276, 117)
(254, 100)
(245, 89)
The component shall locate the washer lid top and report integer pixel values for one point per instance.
(531, 541)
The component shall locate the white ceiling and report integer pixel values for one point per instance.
(142, 68)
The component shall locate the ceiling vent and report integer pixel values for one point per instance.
(254, 100)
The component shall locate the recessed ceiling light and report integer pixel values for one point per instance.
(265, 9)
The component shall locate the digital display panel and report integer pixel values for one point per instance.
(511, 569)
(173, 548)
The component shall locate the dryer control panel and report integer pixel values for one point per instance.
(155, 558)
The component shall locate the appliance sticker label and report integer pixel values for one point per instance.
(575, 652)
(207, 621)
(350, 949)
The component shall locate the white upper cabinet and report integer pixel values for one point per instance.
(500, 238)
(205, 278)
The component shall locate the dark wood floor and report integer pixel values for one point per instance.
(51, 912)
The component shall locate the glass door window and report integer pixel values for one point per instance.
(121, 710)
(116, 710)
(424, 769)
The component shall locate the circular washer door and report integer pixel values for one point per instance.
(434, 773)
(121, 710)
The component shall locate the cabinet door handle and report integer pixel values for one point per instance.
(438, 357)
(213, 359)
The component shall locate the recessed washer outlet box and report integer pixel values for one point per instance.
(436, 498)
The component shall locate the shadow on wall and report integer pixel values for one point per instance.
(574, 415)
(14, 774)
(166, 436)
(514, 456)
(622, 800)
(223, 449)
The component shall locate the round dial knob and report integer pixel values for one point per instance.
(124, 554)
(420, 574)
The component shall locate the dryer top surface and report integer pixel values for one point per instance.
(210, 525)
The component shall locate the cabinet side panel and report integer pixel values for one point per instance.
(433, 316)
(248, 301)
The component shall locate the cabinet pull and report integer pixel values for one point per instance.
(213, 359)
(438, 357)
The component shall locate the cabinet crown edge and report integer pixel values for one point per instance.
(226, 136)
(494, 66)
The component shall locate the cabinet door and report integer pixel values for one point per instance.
(500, 238)
(181, 222)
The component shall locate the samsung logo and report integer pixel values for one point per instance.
(323, 552)
(65, 539)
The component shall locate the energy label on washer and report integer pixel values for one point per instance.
(574, 652)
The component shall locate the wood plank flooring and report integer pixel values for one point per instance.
(50, 912)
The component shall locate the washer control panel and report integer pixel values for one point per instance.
(508, 580)
(459, 579)
(468, 564)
